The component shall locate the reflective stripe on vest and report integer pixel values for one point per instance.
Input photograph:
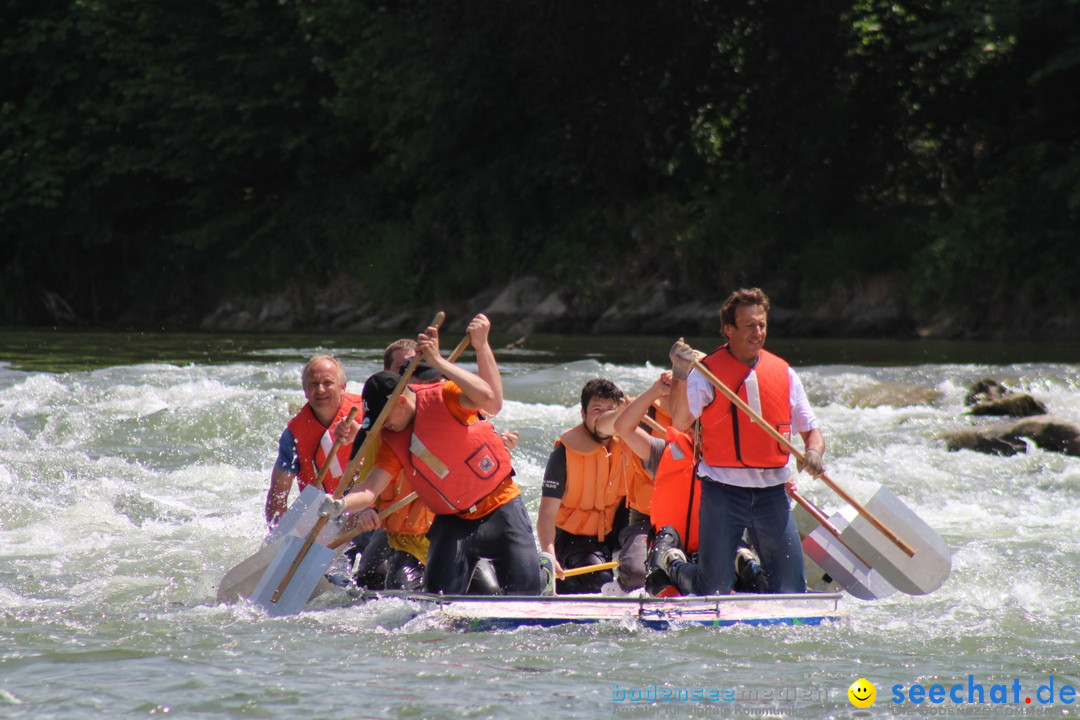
(309, 432)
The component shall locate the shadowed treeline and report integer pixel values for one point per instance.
(159, 158)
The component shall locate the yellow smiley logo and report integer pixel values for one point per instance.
(862, 693)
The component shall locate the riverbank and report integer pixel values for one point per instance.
(877, 307)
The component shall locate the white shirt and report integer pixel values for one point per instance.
(700, 393)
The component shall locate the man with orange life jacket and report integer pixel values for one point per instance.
(743, 470)
(458, 465)
(595, 498)
(394, 555)
(311, 434)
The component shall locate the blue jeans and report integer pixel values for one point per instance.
(726, 512)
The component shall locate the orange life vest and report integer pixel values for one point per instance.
(729, 437)
(597, 481)
(677, 497)
(308, 431)
(413, 519)
(452, 466)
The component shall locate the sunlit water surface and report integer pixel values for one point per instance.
(129, 485)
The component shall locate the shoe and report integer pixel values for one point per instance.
(612, 589)
(666, 549)
(547, 573)
(658, 584)
(748, 575)
(745, 559)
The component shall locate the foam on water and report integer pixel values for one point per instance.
(127, 492)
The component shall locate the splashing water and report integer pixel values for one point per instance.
(127, 491)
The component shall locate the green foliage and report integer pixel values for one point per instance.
(157, 158)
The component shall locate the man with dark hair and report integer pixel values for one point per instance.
(592, 484)
(743, 469)
(458, 465)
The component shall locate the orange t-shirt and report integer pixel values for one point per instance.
(387, 459)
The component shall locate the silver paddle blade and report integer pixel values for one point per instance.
(304, 582)
(919, 574)
(240, 581)
(841, 564)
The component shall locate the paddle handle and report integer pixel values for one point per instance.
(459, 349)
(652, 422)
(383, 514)
(333, 451)
(787, 444)
(591, 568)
(353, 470)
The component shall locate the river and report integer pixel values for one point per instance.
(133, 469)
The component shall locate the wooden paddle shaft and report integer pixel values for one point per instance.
(651, 422)
(353, 470)
(333, 451)
(585, 569)
(816, 513)
(738, 402)
(383, 514)
(459, 349)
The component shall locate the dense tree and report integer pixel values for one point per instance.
(156, 158)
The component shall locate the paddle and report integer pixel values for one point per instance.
(824, 547)
(915, 570)
(333, 451)
(238, 580)
(306, 561)
(585, 569)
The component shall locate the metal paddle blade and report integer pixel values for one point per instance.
(842, 565)
(240, 581)
(303, 583)
(301, 515)
(919, 574)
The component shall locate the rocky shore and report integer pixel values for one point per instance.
(526, 305)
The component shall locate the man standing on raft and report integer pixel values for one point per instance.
(743, 470)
